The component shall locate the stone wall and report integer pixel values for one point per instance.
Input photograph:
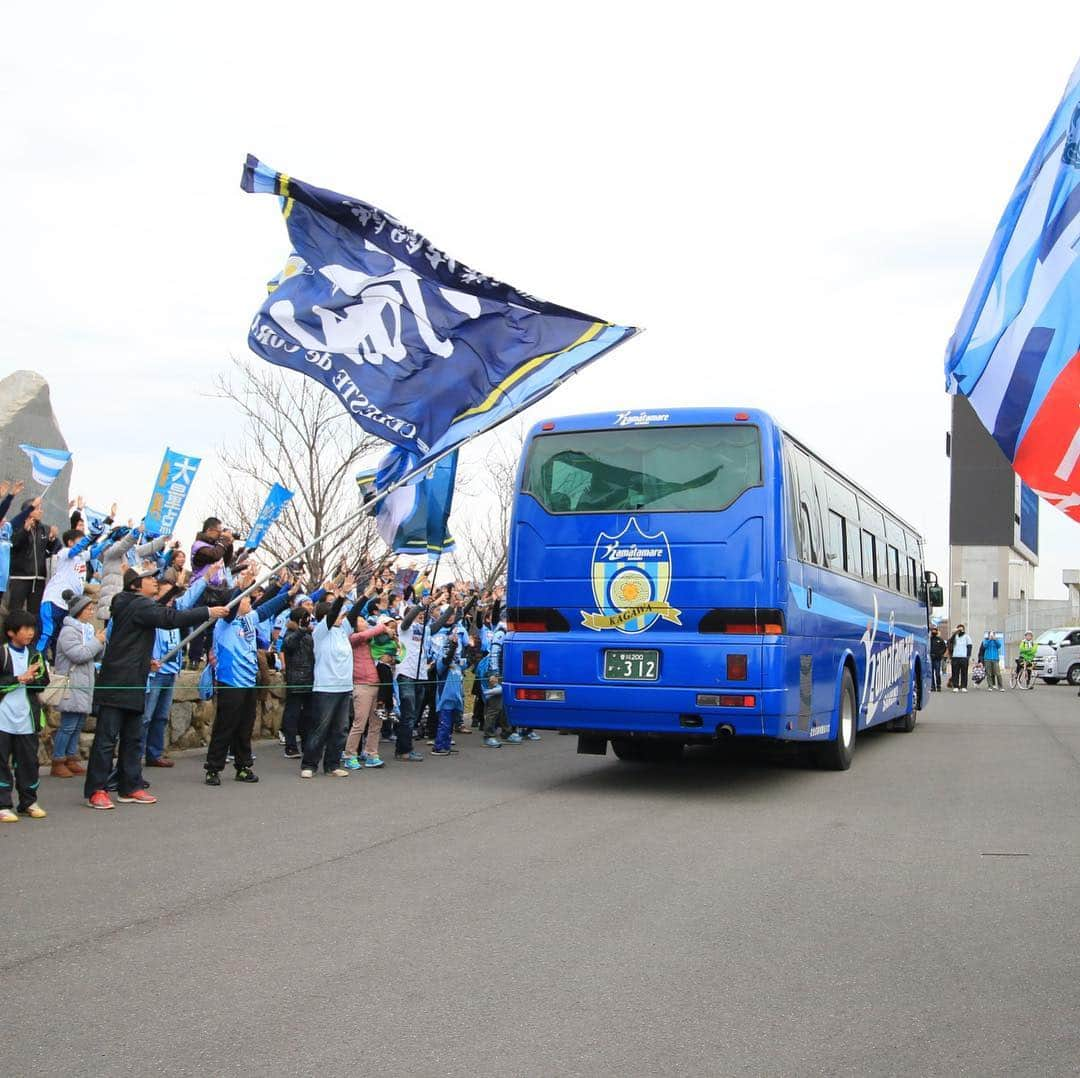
(190, 719)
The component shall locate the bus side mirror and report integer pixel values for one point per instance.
(935, 596)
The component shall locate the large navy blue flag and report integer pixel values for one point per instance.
(421, 350)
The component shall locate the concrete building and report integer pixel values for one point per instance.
(993, 535)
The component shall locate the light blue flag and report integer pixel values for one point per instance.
(276, 500)
(1015, 353)
(413, 518)
(173, 484)
(45, 464)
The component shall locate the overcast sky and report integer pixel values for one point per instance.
(792, 199)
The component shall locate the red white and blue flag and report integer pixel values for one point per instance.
(1015, 353)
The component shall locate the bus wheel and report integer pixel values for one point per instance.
(626, 749)
(836, 755)
(664, 751)
(906, 723)
(652, 751)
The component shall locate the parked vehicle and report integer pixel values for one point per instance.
(1057, 655)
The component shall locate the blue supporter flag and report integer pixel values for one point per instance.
(45, 464)
(171, 488)
(1015, 353)
(421, 350)
(414, 518)
(276, 500)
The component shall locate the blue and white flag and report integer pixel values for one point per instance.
(1016, 350)
(45, 464)
(171, 488)
(414, 518)
(95, 520)
(421, 350)
(276, 500)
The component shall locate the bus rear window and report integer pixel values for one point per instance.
(660, 469)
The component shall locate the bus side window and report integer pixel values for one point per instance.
(836, 550)
(911, 579)
(894, 568)
(799, 516)
(869, 557)
(808, 506)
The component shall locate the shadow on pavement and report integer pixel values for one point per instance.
(737, 766)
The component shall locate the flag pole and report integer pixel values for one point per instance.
(371, 502)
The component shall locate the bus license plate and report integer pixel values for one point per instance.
(631, 665)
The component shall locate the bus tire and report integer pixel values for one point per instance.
(906, 723)
(664, 751)
(655, 750)
(626, 749)
(836, 755)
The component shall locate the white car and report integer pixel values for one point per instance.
(1057, 655)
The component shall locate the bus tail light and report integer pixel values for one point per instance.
(752, 622)
(536, 619)
(530, 663)
(710, 700)
(556, 695)
(736, 668)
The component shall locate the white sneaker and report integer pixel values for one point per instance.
(963, 690)
(340, 773)
(307, 774)
(956, 690)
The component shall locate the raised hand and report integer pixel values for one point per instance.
(19, 487)
(219, 611)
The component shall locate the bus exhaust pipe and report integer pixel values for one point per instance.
(725, 729)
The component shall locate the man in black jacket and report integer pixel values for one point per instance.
(121, 696)
(299, 651)
(31, 545)
(937, 654)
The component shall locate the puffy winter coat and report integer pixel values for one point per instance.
(75, 657)
(299, 650)
(126, 663)
(113, 565)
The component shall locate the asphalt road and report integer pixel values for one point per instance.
(528, 911)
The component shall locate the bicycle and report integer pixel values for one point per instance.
(1022, 676)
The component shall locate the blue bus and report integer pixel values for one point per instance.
(677, 576)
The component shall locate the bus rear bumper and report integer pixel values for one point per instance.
(673, 712)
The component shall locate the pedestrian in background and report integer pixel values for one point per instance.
(992, 662)
(960, 648)
(937, 654)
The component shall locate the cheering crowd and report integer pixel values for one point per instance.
(365, 659)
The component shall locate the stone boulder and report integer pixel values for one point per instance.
(26, 415)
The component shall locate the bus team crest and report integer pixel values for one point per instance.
(631, 580)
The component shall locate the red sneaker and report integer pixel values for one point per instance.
(99, 799)
(137, 797)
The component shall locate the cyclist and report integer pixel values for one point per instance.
(1025, 661)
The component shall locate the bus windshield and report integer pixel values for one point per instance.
(658, 469)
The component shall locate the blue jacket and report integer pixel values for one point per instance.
(167, 639)
(5, 554)
(451, 679)
(236, 646)
(992, 650)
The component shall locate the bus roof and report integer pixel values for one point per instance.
(649, 417)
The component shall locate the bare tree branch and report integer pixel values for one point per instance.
(296, 434)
